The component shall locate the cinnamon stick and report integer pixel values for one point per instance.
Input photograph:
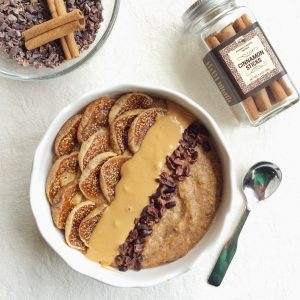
(247, 20)
(62, 40)
(226, 33)
(277, 91)
(285, 86)
(276, 87)
(53, 29)
(212, 41)
(61, 10)
(261, 98)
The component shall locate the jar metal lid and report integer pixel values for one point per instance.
(196, 13)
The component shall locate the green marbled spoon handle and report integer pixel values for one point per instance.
(227, 254)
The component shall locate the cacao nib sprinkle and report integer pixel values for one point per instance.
(167, 180)
(170, 164)
(130, 252)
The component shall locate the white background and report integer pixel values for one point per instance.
(148, 45)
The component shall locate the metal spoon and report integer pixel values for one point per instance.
(261, 181)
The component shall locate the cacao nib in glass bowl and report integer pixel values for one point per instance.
(48, 61)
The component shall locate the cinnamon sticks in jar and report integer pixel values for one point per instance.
(241, 60)
(264, 99)
(214, 41)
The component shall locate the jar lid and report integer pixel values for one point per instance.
(198, 10)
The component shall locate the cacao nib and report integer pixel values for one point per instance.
(166, 179)
(194, 157)
(152, 211)
(123, 268)
(161, 212)
(203, 131)
(167, 197)
(179, 171)
(128, 261)
(137, 265)
(178, 162)
(146, 232)
(170, 204)
(133, 234)
(183, 144)
(119, 260)
(169, 190)
(142, 227)
(206, 147)
(123, 248)
(186, 171)
(170, 163)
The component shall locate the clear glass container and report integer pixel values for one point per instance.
(12, 70)
(241, 60)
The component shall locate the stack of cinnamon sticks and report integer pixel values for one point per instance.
(61, 26)
(264, 99)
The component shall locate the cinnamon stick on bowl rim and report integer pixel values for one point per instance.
(53, 29)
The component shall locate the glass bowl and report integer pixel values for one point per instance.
(10, 69)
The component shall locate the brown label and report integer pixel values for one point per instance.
(244, 64)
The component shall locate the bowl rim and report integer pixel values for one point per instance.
(65, 113)
(80, 62)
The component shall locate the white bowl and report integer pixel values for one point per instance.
(75, 259)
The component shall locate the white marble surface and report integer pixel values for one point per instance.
(146, 45)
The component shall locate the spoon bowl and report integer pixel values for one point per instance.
(261, 181)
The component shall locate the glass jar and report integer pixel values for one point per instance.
(241, 60)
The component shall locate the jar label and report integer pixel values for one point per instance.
(245, 63)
